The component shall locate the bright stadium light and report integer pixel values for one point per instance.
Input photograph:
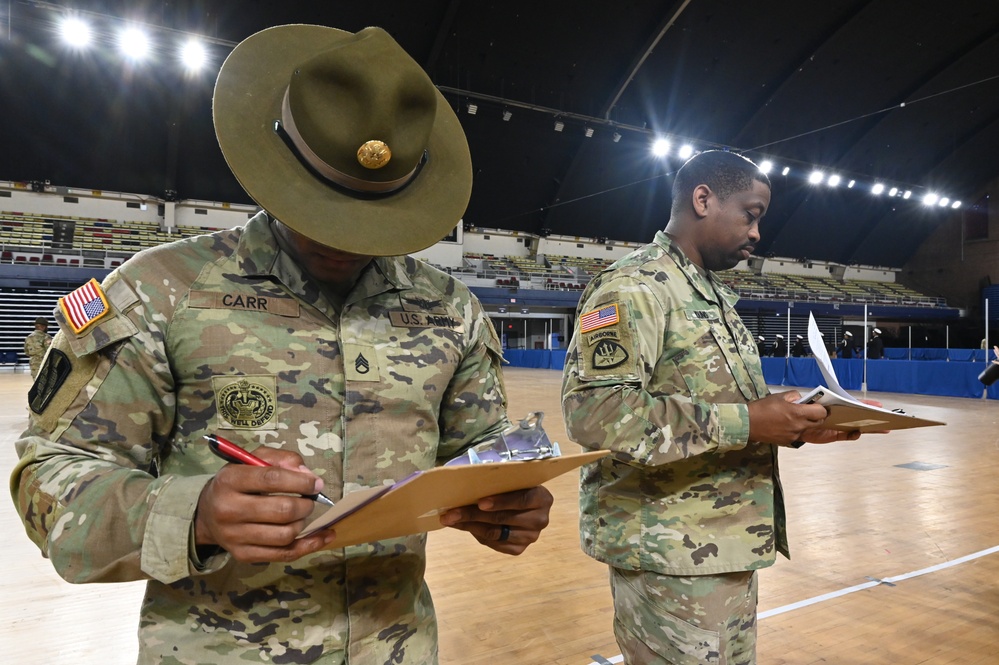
(893, 191)
(193, 55)
(944, 202)
(851, 184)
(955, 205)
(660, 148)
(816, 177)
(930, 199)
(877, 188)
(134, 44)
(787, 169)
(766, 166)
(75, 32)
(833, 180)
(907, 194)
(685, 151)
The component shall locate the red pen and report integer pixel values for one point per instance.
(230, 452)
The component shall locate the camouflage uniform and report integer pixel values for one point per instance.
(224, 333)
(660, 371)
(35, 346)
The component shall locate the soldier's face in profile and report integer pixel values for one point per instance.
(332, 267)
(733, 227)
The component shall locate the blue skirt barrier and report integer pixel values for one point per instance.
(919, 377)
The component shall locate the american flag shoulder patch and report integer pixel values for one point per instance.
(84, 306)
(599, 318)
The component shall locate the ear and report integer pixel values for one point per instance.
(699, 200)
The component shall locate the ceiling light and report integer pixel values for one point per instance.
(660, 148)
(833, 180)
(766, 166)
(816, 177)
(893, 191)
(787, 169)
(877, 188)
(134, 44)
(473, 109)
(588, 132)
(193, 55)
(75, 32)
(685, 151)
(851, 184)
(955, 205)
(507, 115)
(559, 125)
(907, 194)
(930, 199)
(943, 202)
(616, 137)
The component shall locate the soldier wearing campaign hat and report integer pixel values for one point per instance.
(303, 334)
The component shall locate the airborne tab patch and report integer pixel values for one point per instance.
(599, 318)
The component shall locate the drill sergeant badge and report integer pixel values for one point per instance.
(245, 402)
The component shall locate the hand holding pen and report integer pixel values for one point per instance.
(250, 510)
(230, 452)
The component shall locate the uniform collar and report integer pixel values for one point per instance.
(705, 282)
(260, 255)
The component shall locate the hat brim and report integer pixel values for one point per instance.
(247, 101)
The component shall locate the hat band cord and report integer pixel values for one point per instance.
(329, 172)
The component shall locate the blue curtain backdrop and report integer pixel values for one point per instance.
(949, 373)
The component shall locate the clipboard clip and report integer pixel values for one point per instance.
(526, 440)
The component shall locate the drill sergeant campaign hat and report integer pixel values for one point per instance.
(343, 138)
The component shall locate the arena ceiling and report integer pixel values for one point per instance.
(901, 93)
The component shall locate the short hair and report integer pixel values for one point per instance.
(726, 173)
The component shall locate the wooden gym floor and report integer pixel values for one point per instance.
(892, 565)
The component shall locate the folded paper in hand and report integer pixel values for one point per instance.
(846, 412)
(415, 503)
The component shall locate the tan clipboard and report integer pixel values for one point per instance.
(850, 416)
(413, 505)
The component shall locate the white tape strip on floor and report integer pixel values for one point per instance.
(849, 590)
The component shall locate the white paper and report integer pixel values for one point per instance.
(822, 358)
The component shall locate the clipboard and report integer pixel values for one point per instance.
(849, 415)
(413, 504)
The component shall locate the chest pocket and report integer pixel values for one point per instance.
(711, 363)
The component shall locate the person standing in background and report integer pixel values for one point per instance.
(661, 371)
(798, 350)
(36, 344)
(846, 345)
(875, 347)
(780, 348)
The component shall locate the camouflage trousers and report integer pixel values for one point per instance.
(675, 620)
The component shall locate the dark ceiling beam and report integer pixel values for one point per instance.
(577, 159)
(442, 33)
(636, 64)
(969, 137)
(867, 126)
(847, 16)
